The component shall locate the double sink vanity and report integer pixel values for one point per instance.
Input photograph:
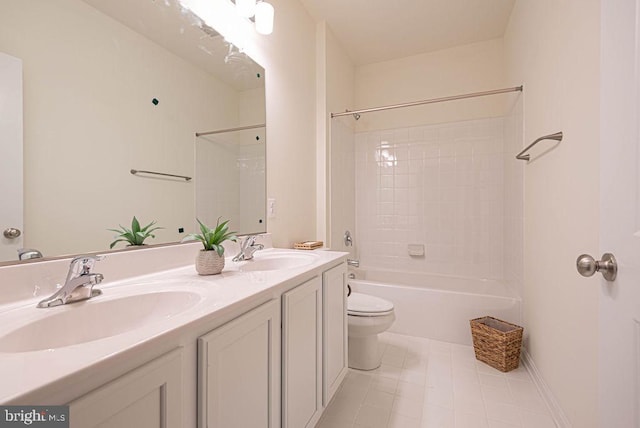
(261, 345)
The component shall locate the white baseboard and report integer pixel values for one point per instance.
(550, 400)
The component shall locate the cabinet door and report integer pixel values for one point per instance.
(148, 397)
(301, 355)
(334, 345)
(239, 372)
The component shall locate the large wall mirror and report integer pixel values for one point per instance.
(110, 86)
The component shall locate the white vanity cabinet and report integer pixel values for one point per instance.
(147, 397)
(254, 350)
(314, 346)
(302, 355)
(334, 339)
(239, 371)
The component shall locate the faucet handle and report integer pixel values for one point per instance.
(82, 265)
(86, 259)
(249, 241)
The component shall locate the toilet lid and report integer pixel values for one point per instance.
(358, 303)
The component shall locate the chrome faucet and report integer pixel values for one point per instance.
(78, 285)
(247, 249)
(29, 253)
(353, 263)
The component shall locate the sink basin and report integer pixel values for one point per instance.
(95, 319)
(266, 262)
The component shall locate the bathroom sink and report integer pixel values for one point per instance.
(267, 262)
(95, 319)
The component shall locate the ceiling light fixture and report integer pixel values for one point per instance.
(264, 18)
(222, 16)
(246, 8)
(263, 12)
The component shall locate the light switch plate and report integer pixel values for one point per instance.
(271, 208)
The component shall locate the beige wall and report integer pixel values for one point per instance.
(89, 119)
(464, 69)
(288, 56)
(556, 56)
(335, 178)
(340, 139)
(322, 137)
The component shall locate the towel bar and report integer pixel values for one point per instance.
(557, 137)
(140, 171)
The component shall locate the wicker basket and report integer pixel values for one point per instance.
(497, 342)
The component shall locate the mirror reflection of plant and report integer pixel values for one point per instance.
(212, 239)
(136, 235)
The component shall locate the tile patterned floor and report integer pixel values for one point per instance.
(424, 383)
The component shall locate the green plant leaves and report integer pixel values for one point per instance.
(136, 235)
(212, 239)
(135, 225)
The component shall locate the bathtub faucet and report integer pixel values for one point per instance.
(354, 263)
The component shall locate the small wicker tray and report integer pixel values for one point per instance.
(308, 245)
(497, 342)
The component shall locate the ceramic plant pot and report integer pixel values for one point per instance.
(209, 262)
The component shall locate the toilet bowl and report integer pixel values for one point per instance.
(367, 316)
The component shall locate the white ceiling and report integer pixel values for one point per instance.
(380, 30)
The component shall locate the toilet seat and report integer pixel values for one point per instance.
(364, 305)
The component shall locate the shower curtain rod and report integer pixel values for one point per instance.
(431, 101)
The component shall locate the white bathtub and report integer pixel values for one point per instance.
(438, 307)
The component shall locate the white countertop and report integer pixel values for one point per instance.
(219, 298)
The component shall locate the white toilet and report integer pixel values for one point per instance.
(367, 317)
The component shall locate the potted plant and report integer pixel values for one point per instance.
(136, 235)
(210, 260)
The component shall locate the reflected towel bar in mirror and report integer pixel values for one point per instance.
(140, 171)
(557, 137)
(223, 131)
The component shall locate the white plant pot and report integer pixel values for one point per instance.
(209, 262)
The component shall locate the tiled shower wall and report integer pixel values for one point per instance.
(251, 167)
(230, 180)
(440, 187)
(216, 197)
(514, 199)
